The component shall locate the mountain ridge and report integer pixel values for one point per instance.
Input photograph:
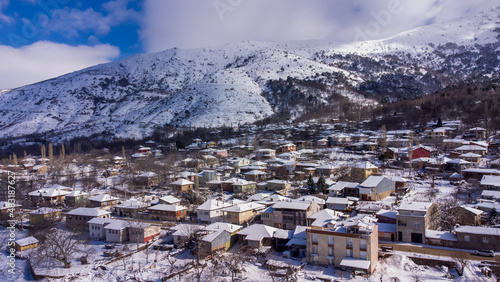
(248, 81)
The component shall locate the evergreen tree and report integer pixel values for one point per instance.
(321, 184)
(439, 123)
(310, 185)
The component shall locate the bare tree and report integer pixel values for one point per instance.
(460, 264)
(59, 245)
(234, 263)
(450, 214)
(199, 264)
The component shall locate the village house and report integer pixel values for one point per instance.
(258, 235)
(278, 185)
(386, 216)
(217, 237)
(44, 215)
(490, 182)
(238, 162)
(211, 210)
(493, 195)
(327, 171)
(478, 173)
(471, 149)
(376, 188)
(167, 212)
(148, 179)
(466, 215)
(39, 169)
(103, 201)
(96, 227)
(341, 139)
(457, 165)
(169, 200)
(338, 204)
(76, 199)
(116, 231)
(248, 168)
(183, 232)
(77, 219)
(352, 244)
(142, 232)
(362, 171)
(26, 244)
(477, 238)
(237, 185)
(323, 142)
(297, 244)
(473, 158)
(344, 189)
(414, 219)
(288, 214)
(6, 208)
(452, 144)
(209, 175)
(255, 176)
(241, 213)
(212, 242)
(182, 185)
(130, 208)
(286, 148)
(264, 154)
(49, 197)
(323, 217)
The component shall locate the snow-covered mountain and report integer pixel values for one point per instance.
(248, 81)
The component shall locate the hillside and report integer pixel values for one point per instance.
(249, 81)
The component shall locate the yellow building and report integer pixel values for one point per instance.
(42, 215)
(26, 244)
(363, 170)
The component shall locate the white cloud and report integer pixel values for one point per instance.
(70, 21)
(3, 17)
(192, 23)
(43, 60)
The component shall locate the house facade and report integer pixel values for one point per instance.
(376, 188)
(241, 213)
(289, 214)
(414, 218)
(77, 219)
(167, 212)
(352, 246)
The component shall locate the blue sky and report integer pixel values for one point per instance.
(41, 39)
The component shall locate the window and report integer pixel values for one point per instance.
(315, 238)
(349, 243)
(330, 240)
(416, 225)
(314, 249)
(362, 244)
(401, 223)
(348, 253)
(330, 251)
(485, 240)
(466, 238)
(362, 255)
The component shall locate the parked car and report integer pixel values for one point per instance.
(484, 253)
